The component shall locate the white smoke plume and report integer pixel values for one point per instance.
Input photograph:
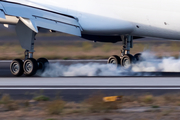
(149, 64)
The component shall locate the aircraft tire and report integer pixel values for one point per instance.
(127, 60)
(16, 67)
(30, 67)
(138, 57)
(114, 59)
(42, 64)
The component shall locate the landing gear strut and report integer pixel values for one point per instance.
(29, 66)
(125, 59)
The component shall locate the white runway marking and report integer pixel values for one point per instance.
(91, 83)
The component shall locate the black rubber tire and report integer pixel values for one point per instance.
(114, 59)
(33, 67)
(17, 63)
(42, 64)
(127, 58)
(138, 57)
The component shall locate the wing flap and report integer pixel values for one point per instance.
(58, 26)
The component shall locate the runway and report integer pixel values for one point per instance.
(5, 70)
(80, 88)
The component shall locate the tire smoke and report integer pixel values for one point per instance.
(150, 63)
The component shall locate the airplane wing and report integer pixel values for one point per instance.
(34, 18)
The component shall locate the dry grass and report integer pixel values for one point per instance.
(26, 104)
(41, 98)
(147, 99)
(131, 98)
(8, 103)
(85, 50)
(55, 107)
(167, 112)
(75, 108)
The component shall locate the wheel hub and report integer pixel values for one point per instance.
(126, 62)
(112, 61)
(15, 68)
(28, 66)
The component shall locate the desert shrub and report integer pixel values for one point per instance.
(26, 104)
(5, 99)
(41, 98)
(55, 107)
(8, 103)
(12, 106)
(96, 104)
(148, 99)
(155, 106)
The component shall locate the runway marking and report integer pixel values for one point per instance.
(91, 83)
(89, 88)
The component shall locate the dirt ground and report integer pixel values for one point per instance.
(146, 107)
(148, 115)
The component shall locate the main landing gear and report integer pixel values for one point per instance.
(125, 59)
(29, 66)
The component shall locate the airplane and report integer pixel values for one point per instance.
(95, 20)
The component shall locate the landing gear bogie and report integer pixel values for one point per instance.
(125, 59)
(29, 67)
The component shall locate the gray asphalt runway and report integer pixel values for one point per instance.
(5, 72)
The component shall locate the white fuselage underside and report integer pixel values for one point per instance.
(153, 18)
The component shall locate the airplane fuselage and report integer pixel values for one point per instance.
(106, 17)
